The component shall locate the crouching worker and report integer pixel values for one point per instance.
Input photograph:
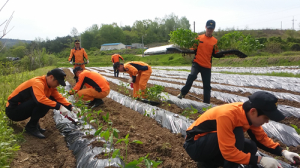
(35, 97)
(97, 86)
(139, 72)
(216, 138)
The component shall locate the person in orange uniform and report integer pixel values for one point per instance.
(97, 86)
(216, 138)
(139, 72)
(114, 59)
(202, 63)
(77, 56)
(35, 97)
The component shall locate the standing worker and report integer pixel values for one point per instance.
(216, 138)
(77, 56)
(97, 86)
(114, 59)
(202, 63)
(139, 72)
(35, 97)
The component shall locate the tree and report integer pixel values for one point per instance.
(74, 32)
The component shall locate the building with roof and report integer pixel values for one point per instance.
(112, 46)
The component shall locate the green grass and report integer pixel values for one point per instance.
(8, 140)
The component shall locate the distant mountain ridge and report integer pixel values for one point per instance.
(12, 42)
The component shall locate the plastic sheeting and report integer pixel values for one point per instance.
(290, 139)
(83, 152)
(157, 50)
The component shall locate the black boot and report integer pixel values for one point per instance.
(91, 103)
(33, 130)
(40, 129)
(98, 102)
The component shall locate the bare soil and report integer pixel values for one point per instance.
(49, 152)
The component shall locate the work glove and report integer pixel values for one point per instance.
(63, 110)
(76, 110)
(130, 80)
(71, 62)
(289, 155)
(133, 79)
(87, 61)
(131, 85)
(268, 162)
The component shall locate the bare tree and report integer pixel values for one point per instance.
(74, 32)
(5, 23)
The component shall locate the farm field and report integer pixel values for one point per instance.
(159, 129)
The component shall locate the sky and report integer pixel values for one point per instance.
(50, 19)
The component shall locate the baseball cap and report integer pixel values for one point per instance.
(59, 75)
(267, 103)
(210, 24)
(76, 41)
(77, 69)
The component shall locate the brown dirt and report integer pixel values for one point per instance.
(97, 144)
(159, 142)
(49, 152)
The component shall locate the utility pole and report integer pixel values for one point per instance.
(194, 26)
(293, 22)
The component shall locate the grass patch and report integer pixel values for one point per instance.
(8, 140)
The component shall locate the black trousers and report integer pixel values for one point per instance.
(206, 77)
(206, 149)
(116, 72)
(25, 110)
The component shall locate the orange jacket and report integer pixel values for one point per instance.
(115, 58)
(134, 67)
(205, 49)
(91, 80)
(37, 89)
(223, 120)
(78, 55)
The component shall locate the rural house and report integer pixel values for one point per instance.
(112, 46)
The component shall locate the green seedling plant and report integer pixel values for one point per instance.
(124, 88)
(206, 108)
(153, 93)
(126, 141)
(189, 111)
(296, 128)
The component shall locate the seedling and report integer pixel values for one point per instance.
(189, 111)
(206, 108)
(296, 128)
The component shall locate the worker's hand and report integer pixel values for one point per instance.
(131, 85)
(87, 61)
(76, 110)
(71, 62)
(63, 110)
(268, 162)
(289, 155)
(130, 80)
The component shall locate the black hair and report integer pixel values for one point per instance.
(247, 106)
(49, 73)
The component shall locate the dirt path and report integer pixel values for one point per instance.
(50, 152)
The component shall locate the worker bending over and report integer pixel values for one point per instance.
(114, 59)
(216, 138)
(139, 72)
(97, 86)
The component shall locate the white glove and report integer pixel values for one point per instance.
(268, 162)
(71, 62)
(63, 110)
(130, 80)
(87, 61)
(289, 155)
(76, 110)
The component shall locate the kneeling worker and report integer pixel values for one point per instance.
(216, 138)
(97, 86)
(140, 73)
(35, 97)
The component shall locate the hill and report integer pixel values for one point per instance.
(12, 42)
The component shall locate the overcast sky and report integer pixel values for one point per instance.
(56, 18)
